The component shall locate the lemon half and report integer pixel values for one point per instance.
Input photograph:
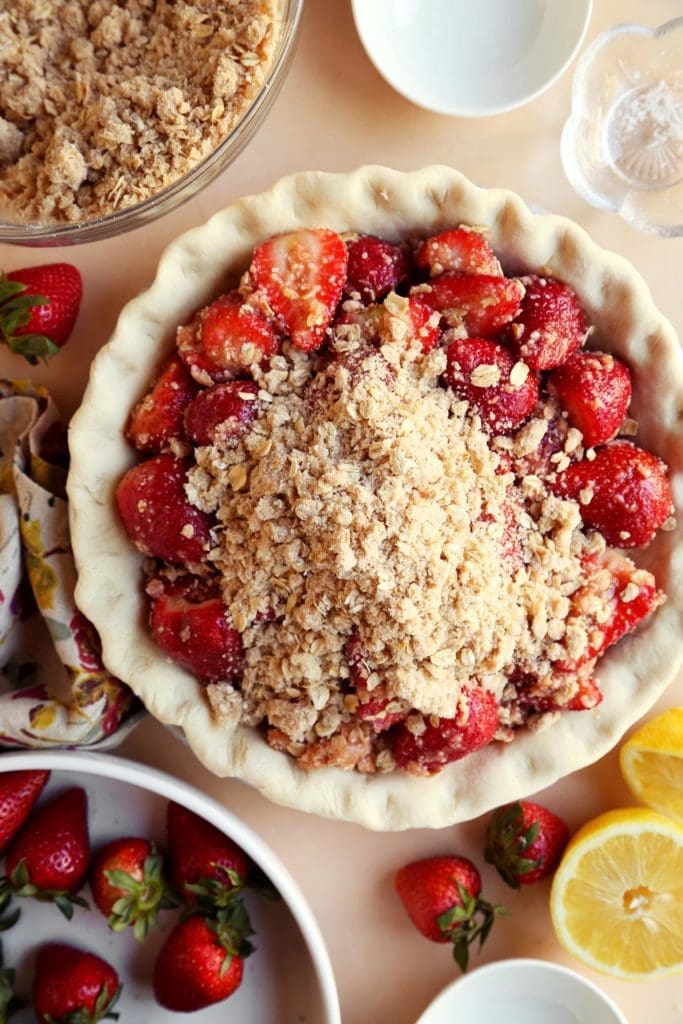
(617, 896)
(651, 762)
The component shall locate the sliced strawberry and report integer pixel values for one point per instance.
(502, 389)
(190, 622)
(424, 323)
(449, 739)
(157, 515)
(159, 416)
(226, 338)
(595, 389)
(459, 249)
(373, 705)
(623, 492)
(223, 413)
(552, 693)
(631, 595)
(375, 268)
(297, 279)
(483, 303)
(550, 325)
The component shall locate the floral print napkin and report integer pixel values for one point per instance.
(54, 689)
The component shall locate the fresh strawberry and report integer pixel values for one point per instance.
(623, 492)
(482, 303)
(442, 898)
(297, 278)
(159, 416)
(205, 866)
(157, 515)
(446, 739)
(73, 986)
(18, 793)
(223, 413)
(461, 249)
(524, 842)
(375, 268)
(630, 594)
(127, 883)
(190, 622)
(595, 389)
(225, 339)
(501, 388)
(49, 858)
(373, 705)
(202, 960)
(38, 309)
(550, 325)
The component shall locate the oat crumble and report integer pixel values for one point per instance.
(103, 104)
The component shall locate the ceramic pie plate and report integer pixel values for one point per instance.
(287, 980)
(203, 262)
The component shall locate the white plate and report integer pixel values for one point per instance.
(288, 980)
(522, 991)
(471, 58)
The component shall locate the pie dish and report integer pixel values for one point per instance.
(202, 264)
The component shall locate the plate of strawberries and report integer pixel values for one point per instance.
(124, 891)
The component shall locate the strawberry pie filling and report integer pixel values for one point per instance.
(384, 498)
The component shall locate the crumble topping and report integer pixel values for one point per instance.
(104, 103)
(369, 500)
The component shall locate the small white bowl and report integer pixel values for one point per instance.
(522, 991)
(288, 979)
(471, 59)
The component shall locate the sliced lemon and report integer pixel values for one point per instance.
(652, 763)
(617, 896)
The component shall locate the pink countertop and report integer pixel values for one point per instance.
(334, 113)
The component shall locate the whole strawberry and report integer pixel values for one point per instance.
(18, 793)
(525, 841)
(72, 986)
(441, 896)
(127, 883)
(49, 858)
(202, 960)
(204, 864)
(38, 309)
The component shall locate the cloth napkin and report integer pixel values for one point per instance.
(54, 689)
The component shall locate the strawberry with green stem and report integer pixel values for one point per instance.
(442, 898)
(524, 842)
(205, 866)
(38, 309)
(73, 986)
(49, 858)
(128, 886)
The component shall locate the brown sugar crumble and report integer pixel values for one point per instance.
(104, 103)
(368, 501)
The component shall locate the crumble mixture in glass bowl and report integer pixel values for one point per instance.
(380, 559)
(113, 114)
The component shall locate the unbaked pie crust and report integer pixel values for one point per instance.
(200, 265)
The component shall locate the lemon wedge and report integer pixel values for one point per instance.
(617, 896)
(651, 762)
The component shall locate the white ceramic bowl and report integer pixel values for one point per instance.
(471, 59)
(522, 991)
(289, 977)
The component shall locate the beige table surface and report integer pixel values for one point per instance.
(334, 113)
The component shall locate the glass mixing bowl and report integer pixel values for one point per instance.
(54, 234)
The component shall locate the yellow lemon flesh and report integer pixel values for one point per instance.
(652, 763)
(617, 896)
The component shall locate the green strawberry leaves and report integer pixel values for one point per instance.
(15, 313)
(20, 884)
(8, 1001)
(507, 843)
(141, 899)
(467, 921)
